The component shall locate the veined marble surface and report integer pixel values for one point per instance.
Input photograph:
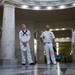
(39, 69)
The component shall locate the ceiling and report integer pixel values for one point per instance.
(64, 32)
(43, 15)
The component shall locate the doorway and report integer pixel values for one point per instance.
(63, 44)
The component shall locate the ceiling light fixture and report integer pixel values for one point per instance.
(24, 6)
(63, 29)
(73, 4)
(57, 29)
(36, 8)
(67, 38)
(49, 8)
(62, 7)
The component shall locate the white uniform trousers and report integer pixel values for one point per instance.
(28, 54)
(49, 50)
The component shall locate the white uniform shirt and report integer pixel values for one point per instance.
(73, 38)
(47, 36)
(24, 38)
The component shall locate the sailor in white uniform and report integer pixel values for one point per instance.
(24, 36)
(47, 38)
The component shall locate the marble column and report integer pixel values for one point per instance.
(40, 50)
(8, 35)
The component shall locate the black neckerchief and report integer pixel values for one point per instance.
(24, 33)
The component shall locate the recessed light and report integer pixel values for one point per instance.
(67, 38)
(63, 29)
(36, 8)
(24, 6)
(73, 4)
(57, 29)
(62, 7)
(49, 8)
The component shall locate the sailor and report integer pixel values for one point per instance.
(47, 38)
(24, 36)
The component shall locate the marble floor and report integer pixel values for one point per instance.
(39, 69)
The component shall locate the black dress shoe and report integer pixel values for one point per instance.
(31, 64)
(23, 64)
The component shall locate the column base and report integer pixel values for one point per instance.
(40, 62)
(8, 62)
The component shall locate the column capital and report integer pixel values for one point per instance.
(8, 5)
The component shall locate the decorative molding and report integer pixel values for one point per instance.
(47, 2)
(12, 2)
(1, 2)
(41, 3)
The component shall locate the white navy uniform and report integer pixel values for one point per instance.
(25, 38)
(47, 37)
